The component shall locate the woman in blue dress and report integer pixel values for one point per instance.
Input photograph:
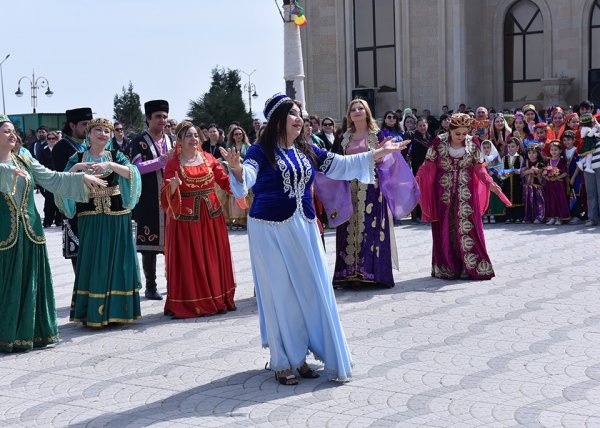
(296, 304)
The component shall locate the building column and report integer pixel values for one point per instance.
(293, 67)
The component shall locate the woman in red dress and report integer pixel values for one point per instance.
(197, 254)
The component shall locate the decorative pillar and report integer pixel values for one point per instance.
(293, 67)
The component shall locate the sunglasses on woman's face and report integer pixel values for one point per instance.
(328, 124)
(390, 117)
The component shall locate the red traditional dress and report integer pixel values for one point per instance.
(454, 195)
(197, 253)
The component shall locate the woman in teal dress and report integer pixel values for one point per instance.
(107, 276)
(27, 308)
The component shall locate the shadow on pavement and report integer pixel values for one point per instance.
(245, 308)
(426, 284)
(226, 397)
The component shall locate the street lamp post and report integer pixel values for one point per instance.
(2, 82)
(36, 83)
(250, 88)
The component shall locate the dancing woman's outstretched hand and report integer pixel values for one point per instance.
(389, 145)
(232, 157)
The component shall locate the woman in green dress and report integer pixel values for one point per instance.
(28, 312)
(107, 276)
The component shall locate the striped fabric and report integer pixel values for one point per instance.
(596, 156)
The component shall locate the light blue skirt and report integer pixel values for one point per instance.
(296, 304)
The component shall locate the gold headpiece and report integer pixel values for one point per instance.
(460, 120)
(527, 107)
(100, 121)
(182, 126)
(555, 143)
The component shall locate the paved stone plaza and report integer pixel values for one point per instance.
(521, 349)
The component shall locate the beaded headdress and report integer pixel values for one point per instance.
(555, 143)
(4, 118)
(571, 116)
(274, 102)
(182, 127)
(100, 121)
(461, 120)
(528, 107)
(519, 115)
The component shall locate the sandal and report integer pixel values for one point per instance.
(286, 377)
(306, 372)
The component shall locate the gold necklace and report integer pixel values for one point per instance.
(185, 158)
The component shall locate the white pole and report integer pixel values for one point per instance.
(293, 67)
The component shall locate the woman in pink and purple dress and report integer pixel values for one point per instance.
(365, 243)
(454, 194)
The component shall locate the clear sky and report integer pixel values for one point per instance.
(89, 49)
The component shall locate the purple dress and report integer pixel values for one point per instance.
(555, 194)
(533, 194)
(363, 243)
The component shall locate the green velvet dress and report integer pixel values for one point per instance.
(27, 308)
(107, 276)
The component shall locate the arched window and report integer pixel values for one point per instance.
(374, 45)
(595, 36)
(523, 52)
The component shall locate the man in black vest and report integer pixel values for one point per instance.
(71, 143)
(41, 142)
(150, 152)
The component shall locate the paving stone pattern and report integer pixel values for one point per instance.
(519, 350)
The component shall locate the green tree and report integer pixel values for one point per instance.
(128, 110)
(223, 102)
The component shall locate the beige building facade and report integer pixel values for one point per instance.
(428, 53)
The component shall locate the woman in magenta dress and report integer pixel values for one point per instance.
(454, 195)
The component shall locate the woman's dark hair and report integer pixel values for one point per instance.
(276, 132)
(396, 126)
(423, 119)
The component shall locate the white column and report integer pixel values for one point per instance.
(293, 67)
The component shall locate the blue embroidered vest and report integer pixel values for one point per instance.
(281, 190)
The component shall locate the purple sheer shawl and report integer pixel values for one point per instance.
(398, 185)
(336, 198)
(396, 181)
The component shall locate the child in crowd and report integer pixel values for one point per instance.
(531, 117)
(573, 181)
(590, 131)
(521, 131)
(493, 165)
(511, 184)
(572, 124)
(541, 134)
(533, 188)
(555, 191)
